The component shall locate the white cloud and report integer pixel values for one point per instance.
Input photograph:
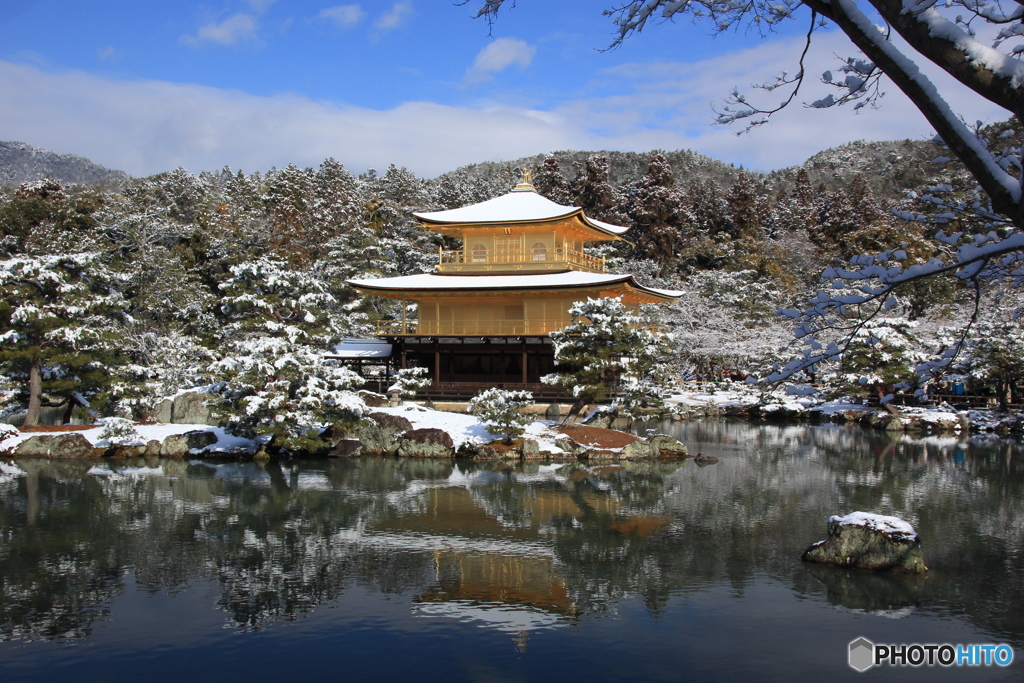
(148, 126)
(343, 16)
(498, 56)
(144, 127)
(399, 13)
(234, 29)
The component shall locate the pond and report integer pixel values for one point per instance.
(389, 569)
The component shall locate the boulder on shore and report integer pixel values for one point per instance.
(56, 446)
(868, 541)
(180, 445)
(426, 443)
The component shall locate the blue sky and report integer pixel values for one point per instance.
(149, 86)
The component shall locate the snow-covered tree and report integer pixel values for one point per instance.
(725, 322)
(881, 359)
(500, 410)
(746, 210)
(279, 325)
(160, 365)
(592, 190)
(146, 231)
(57, 316)
(655, 207)
(608, 349)
(43, 218)
(550, 182)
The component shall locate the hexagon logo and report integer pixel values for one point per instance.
(862, 654)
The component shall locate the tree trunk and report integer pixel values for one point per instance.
(577, 407)
(35, 395)
(72, 402)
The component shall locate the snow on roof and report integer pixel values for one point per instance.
(516, 206)
(616, 229)
(571, 278)
(362, 348)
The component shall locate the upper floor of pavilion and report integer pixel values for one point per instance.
(518, 233)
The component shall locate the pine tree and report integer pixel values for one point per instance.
(746, 215)
(593, 192)
(56, 318)
(279, 326)
(551, 183)
(607, 349)
(499, 409)
(654, 209)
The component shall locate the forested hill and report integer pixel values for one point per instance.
(624, 168)
(22, 163)
(178, 276)
(891, 168)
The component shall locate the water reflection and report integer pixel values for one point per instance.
(515, 548)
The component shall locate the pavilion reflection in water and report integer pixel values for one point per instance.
(498, 572)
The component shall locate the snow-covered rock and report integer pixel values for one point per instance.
(869, 541)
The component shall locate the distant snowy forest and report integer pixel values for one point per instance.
(117, 297)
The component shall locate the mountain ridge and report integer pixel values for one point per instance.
(21, 162)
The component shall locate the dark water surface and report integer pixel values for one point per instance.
(386, 569)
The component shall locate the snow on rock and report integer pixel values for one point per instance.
(869, 541)
(880, 523)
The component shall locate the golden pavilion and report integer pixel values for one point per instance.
(484, 317)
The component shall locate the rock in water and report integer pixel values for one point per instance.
(868, 541)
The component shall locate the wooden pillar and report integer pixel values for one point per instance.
(405, 304)
(524, 360)
(437, 362)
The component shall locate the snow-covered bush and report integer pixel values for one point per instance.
(408, 381)
(7, 431)
(118, 431)
(499, 409)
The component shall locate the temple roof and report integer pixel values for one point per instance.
(518, 206)
(572, 279)
(361, 348)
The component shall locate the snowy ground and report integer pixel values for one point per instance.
(467, 429)
(157, 432)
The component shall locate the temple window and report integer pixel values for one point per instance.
(540, 252)
(479, 254)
